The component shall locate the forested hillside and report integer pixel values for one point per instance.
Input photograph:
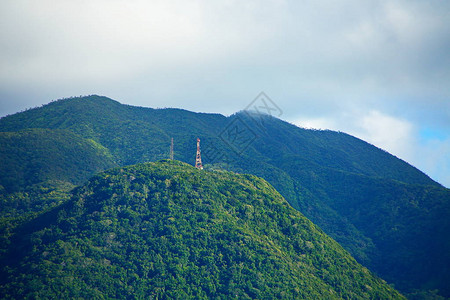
(166, 230)
(33, 156)
(390, 216)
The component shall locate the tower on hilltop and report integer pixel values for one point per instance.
(198, 157)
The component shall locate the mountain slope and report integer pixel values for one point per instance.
(127, 132)
(37, 155)
(167, 230)
(385, 212)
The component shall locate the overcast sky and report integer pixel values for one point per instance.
(379, 70)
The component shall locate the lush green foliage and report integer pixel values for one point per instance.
(169, 231)
(37, 155)
(390, 216)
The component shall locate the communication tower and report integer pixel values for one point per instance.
(198, 157)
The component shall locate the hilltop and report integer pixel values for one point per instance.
(169, 231)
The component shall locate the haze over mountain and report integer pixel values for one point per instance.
(389, 215)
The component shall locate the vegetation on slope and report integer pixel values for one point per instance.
(33, 156)
(389, 215)
(166, 230)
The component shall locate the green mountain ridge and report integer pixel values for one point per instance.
(115, 125)
(166, 230)
(32, 156)
(390, 216)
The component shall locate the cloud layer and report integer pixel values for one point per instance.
(427, 151)
(376, 69)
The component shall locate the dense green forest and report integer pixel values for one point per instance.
(390, 216)
(34, 156)
(167, 230)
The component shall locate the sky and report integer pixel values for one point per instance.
(379, 70)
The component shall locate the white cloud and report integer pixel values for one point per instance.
(387, 132)
(365, 61)
(93, 40)
(395, 135)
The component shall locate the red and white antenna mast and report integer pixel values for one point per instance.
(198, 157)
(171, 149)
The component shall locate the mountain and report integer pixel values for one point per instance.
(167, 230)
(390, 216)
(33, 156)
(38, 168)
